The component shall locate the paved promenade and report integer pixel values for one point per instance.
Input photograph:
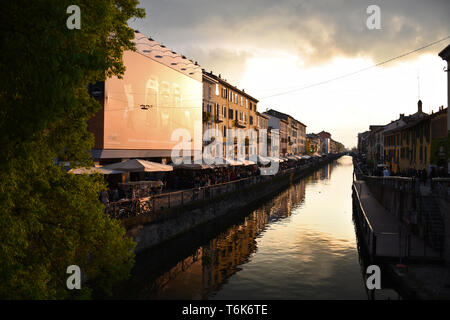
(391, 234)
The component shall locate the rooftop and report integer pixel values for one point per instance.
(225, 82)
(281, 115)
(157, 51)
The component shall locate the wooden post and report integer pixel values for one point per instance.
(169, 199)
(374, 244)
(409, 245)
(153, 199)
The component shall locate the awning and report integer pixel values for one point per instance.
(94, 170)
(273, 159)
(232, 162)
(137, 165)
(192, 166)
(142, 183)
(248, 162)
(217, 162)
(263, 160)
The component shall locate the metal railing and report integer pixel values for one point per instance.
(366, 228)
(398, 183)
(396, 244)
(160, 202)
(440, 187)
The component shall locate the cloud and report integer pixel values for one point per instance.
(315, 30)
(230, 64)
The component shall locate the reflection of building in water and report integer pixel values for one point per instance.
(165, 282)
(209, 266)
(224, 253)
(323, 174)
(326, 172)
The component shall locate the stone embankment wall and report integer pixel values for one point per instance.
(151, 230)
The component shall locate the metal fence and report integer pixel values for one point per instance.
(440, 187)
(406, 184)
(159, 202)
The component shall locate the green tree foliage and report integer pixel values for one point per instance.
(50, 219)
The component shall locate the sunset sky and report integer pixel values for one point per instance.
(273, 49)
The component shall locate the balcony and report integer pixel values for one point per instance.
(207, 116)
(218, 118)
(238, 124)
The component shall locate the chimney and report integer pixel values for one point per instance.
(402, 115)
(419, 106)
(220, 76)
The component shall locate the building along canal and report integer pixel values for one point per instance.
(300, 244)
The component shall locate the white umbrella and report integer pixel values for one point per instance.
(215, 162)
(138, 165)
(263, 160)
(93, 170)
(275, 159)
(248, 162)
(192, 166)
(232, 162)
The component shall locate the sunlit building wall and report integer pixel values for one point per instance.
(159, 93)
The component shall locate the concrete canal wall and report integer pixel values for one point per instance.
(150, 230)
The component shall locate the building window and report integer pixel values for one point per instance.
(235, 98)
(230, 114)
(224, 131)
(217, 89)
(224, 93)
(251, 120)
(231, 96)
(224, 111)
(424, 154)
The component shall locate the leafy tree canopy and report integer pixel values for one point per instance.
(50, 219)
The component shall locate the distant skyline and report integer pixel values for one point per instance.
(272, 47)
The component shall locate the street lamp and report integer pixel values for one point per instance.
(146, 106)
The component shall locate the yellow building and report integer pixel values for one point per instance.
(409, 145)
(231, 108)
(292, 132)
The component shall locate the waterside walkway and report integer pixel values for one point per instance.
(386, 237)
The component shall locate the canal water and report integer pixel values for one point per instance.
(301, 244)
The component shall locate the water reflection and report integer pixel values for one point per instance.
(298, 245)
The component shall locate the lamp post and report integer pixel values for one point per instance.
(445, 55)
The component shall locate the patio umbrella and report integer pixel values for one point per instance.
(232, 162)
(248, 162)
(93, 170)
(263, 160)
(192, 166)
(275, 159)
(216, 162)
(138, 165)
